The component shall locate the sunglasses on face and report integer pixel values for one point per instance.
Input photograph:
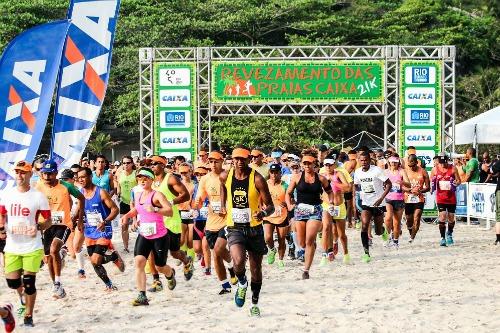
(156, 163)
(184, 173)
(307, 163)
(127, 162)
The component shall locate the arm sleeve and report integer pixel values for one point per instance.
(73, 190)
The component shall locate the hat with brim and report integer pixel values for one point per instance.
(49, 166)
(256, 153)
(240, 153)
(201, 170)
(215, 155)
(158, 159)
(308, 158)
(328, 161)
(23, 166)
(184, 168)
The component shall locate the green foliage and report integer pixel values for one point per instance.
(100, 143)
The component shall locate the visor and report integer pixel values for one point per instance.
(202, 171)
(412, 151)
(329, 161)
(256, 153)
(309, 159)
(215, 155)
(241, 153)
(394, 160)
(145, 173)
(184, 168)
(276, 154)
(158, 159)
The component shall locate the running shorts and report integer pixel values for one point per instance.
(375, 211)
(342, 213)
(187, 221)
(29, 262)
(251, 238)
(159, 246)
(2, 245)
(212, 236)
(450, 208)
(199, 230)
(99, 249)
(174, 241)
(283, 224)
(396, 204)
(316, 213)
(124, 208)
(411, 207)
(60, 232)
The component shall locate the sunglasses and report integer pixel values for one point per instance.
(156, 163)
(306, 163)
(127, 162)
(184, 173)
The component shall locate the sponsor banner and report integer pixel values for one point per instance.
(28, 73)
(242, 82)
(174, 116)
(461, 195)
(426, 156)
(481, 200)
(420, 117)
(420, 137)
(420, 96)
(420, 75)
(83, 77)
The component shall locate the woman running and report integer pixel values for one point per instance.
(308, 210)
(185, 209)
(394, 201)
(200, 243)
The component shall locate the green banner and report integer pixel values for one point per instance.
(244, 82)
(174, 117)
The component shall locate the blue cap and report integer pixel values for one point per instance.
(276, 154)
(49, 166)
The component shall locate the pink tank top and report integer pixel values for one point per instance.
(396, 192)
(151, 224)
(334, 181)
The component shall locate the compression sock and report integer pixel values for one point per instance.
(442, 229)
(255, 286)
(451, 225)
(102, 274)
(242, 279)
(364, 241)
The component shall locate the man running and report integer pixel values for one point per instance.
(125, 183)
(210, 187)
(258, 164)
(24, 212)
(414, 195)
(102, 177)
(241, 189)
(374, 186)
(100, 211)
(60, 206)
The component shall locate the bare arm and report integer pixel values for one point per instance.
(178, 188)
(223, 192)
(327, 188)
(160, 200)
(106, 199)
(290, 202)
(265, 196)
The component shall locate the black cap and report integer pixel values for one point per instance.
(67, 174)
(275, 167)
(323, 148)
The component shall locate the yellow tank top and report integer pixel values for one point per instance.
(242, 200)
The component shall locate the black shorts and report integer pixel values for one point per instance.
(450, 208)
(99, 249)
(410, 208)
(2, 245)
(124, 208)
(348, 196)
(174, 241)
(291, 214)
(187, 221)
(375, 211)
(212, 236)
(159, 246)
(252, 238)
(199, 230)
(396, 204)
(61, 232)
(283, 224)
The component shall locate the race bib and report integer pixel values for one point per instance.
(444, 185)
(241, 215)
(204, 212)
(334, 211)
(277, 211)
(396, 187)
(57, 217)
(215, 206)
(304, 209)
(187, 214)
(147, 228)
(368, 187)
(412, 198)
(93, 219)
(21, 227)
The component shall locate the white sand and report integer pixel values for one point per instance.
(420, 288)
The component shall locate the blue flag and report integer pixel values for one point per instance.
(28, 73)
(83, 78)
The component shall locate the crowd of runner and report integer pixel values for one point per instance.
(221, 211)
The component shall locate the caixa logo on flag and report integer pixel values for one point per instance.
(84, 76)
(28, 72)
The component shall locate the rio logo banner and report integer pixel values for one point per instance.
(28, 73)
(83, 78)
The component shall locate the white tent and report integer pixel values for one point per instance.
(481, 129)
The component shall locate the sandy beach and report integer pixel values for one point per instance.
(419, 288)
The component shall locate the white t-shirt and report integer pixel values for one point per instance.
(372, 184)
(22, 209)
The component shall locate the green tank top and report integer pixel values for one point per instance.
(127, 182)
(172, 223)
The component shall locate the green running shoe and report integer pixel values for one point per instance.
(324, 261)
(347, 259)
(254, 311)
(271, 256)
(385, 235)
(281, 264)
(366, 258)
(156, 286)
(239, 296)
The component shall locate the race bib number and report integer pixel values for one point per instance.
(241, 215)
(20, 228)
(215, 206)
(93, 219)
(187, 214)
(412, 198)
(396, 187)
(334, 211)
(204, 212)
(444, 185)
(304, 209)
(57, 217)
(368, 187)
(277, 211)
(147, 228)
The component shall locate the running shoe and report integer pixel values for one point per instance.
(385, 235)
(331, 256)
(28, 321)
(358, 225)
(347, 259)
(21, 310)
(226, 289)
(300, 255)
(202, 262)
(335, 248)
(395, 246)
(239, 296)
(366, 258)
(291, 252)
(442, 242)
(157, 286)
(305, 275)
(449, 239)
(59, 291)
(81, 274)
(281, 264)
(410, 240)
(208, 271)
(497, 242)
(254, 311)
(62, 253)
(177, 262)
(324, 260)
(110, 287)
(119, 263)
(9, 321)
(171, 283)
(140, 300)
(188, 269)
(233, 278)
(271, 256)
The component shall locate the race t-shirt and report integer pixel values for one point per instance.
(22, 210)
(371, 183)
(209, 187)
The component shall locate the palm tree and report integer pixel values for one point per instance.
(100, 143)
